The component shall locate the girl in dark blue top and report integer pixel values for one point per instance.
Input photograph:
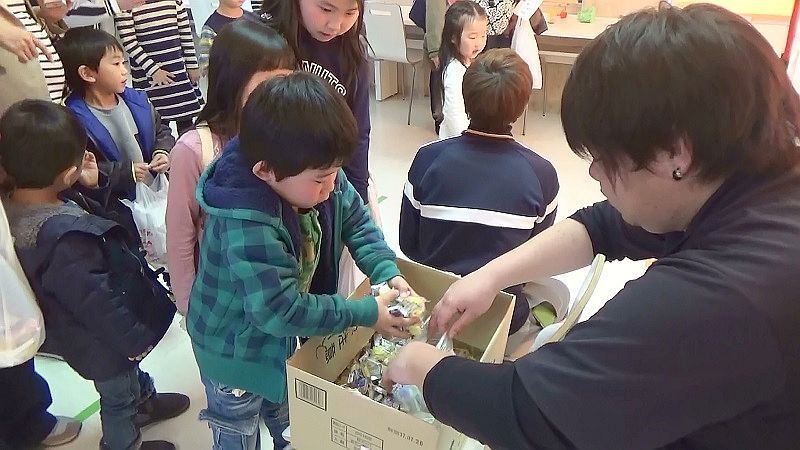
(325, 36)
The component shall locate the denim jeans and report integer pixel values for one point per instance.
(234, 419)
(120, 398)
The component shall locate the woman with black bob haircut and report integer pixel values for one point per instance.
(690, 121)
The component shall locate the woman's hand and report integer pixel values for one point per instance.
(466, 300)
(412, 364)
(21, 43)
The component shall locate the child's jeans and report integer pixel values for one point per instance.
(120, 398)
(234, 418)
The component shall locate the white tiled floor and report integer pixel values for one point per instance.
(393, 147)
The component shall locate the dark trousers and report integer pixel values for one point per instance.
(436, 97)
(24, 420)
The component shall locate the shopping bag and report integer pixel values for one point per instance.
(350, 277)
(150, 214)
(21, 322)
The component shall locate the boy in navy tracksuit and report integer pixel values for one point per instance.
(471, 198)
(125, 131)
(104, 310)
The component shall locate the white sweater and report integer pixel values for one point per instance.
(455, 116)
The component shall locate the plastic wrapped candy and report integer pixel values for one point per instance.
(370, 367)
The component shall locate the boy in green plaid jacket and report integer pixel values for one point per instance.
(279, 211)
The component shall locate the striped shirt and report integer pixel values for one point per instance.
(158, 35)
(53, 71)
(87, 13)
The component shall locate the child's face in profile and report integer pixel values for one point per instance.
(327, 19)
(473, 39)
(111, 75)
(306, 189)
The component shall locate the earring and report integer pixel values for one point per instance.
(677, 175)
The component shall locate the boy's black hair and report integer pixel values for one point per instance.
(38, 141)
(702, 74)
(241, 49)
(83, 46)
(497, 87)
(297, 122)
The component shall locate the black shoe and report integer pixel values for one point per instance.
(160, 407)
(157, 445)
(146, 445)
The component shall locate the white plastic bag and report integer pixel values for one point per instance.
(21, 322)
(350, 276)
(150, 214)
(524, 40)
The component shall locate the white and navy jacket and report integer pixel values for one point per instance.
(471, 198)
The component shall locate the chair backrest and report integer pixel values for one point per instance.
(386, 32)
(557, 331)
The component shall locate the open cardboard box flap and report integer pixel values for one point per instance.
(328, 417)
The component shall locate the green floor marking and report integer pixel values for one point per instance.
(88, 411)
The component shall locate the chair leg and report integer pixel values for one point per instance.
(411, 99)
(544, 88)
(525, 119)
(402, 81)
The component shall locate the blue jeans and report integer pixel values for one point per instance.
(234, 420)
(120, 398)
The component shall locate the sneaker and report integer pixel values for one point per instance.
(160, 407)
(50, 355)
(66, 430)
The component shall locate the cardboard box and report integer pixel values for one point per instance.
(325, 416)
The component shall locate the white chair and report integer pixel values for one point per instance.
(557, 331)
(548, 57)
(386, 40)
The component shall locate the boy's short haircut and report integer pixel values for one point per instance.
(38, 141)
(83, 46)
(497, 87)
(297, 122)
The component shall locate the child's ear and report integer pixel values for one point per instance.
(263, 172)
(87, 74)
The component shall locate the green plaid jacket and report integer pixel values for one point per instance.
(245, 307)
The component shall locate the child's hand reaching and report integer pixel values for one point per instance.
(140, 171)
(400, 284)
(388, 324)
(162, 78)
(90, 175)
(160, 163)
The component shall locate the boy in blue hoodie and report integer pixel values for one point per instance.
(125, 131)
(280, 211)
